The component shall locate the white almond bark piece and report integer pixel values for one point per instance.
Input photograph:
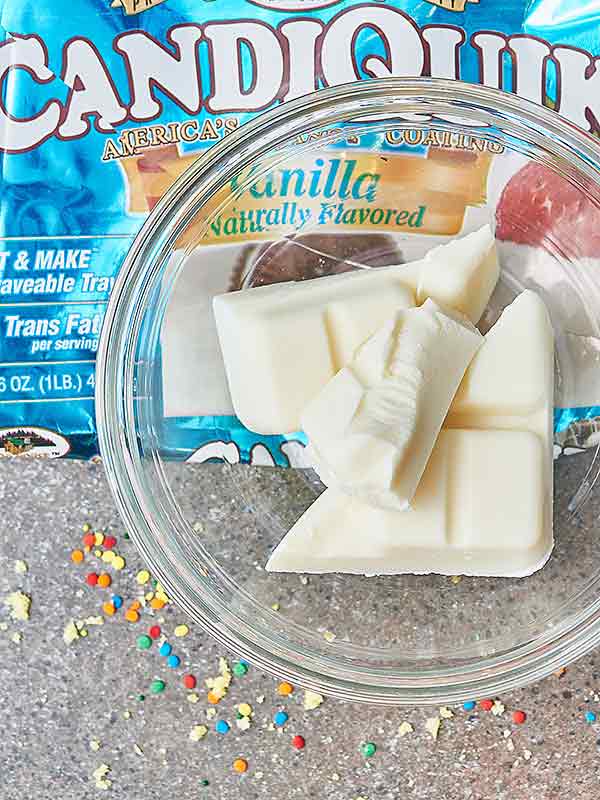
(373, 426)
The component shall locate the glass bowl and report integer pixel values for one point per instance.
(444, 146)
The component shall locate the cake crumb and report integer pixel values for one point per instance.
(432, 726)
(19, 605)
(99, 776)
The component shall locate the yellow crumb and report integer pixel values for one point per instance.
(19, 605)
(312, 700)
(198, 732)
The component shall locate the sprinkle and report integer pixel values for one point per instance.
(456, 579)
(245, 709)
(285, 689)
(181, 630)
(590, 717)
(204, 781)
(157, 686)
(21, 567)
(239, 669)
(154, 631)
(486, 705)
(275, 606)
(109, 609)
(212, 698)
(243, 723)
(240, 765)
(193, 697)
(16, 637)
(560, 673)
(91, 578)
(109, 542)
(98, 538)
(498, 708)
(165, 649)
(368, 749)
(312, 700)
(127, 714)
(99, 776)
(136, 605)
(198, 527)
(86, 527)
(89, 540)
(519, 717)
(260, 699)
(469, 705)
(211, 713)
(432, 726)
(95, 745)
(77, 556)
(173, 661)
(131, 615)
(104, 580)
(141, 697)
(98, 620)
(222, 726)
(298, 742)
(405, 727)
(156, 603)
(98, 553)
(198, 732)
(118, 562)
(19, 605)
(70, 633)
(107, 556)
(446, 713)
(280, 718)
(329, 636)
(189, 681)
(117, 600)
(142, 577)
(144, 642)
(137, 749)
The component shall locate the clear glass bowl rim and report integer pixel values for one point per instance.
(149, 521)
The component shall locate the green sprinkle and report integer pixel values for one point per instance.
(158, 686)
(239, 669)
(368, 749)
(126, 535)
(204, 782)
(144, 642)
(141, 697)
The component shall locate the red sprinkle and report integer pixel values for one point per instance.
(298, 742)
(109, 542)
(486, 705)
(154, 631)
(91, 578)
(519, 717)
(189, 681)
(89, 540)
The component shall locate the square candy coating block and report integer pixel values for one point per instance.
(481, 509)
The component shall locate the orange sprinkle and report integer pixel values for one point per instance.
(104, 580)
(240, 765)
(135, 606)
(285, 688)
(131, 615)
(212, 698)
(157, 603)
(108, 608)
(77, 556)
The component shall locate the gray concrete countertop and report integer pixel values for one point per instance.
(56, 698)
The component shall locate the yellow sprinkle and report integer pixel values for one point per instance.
(446, 713)
(86, 527)
(498, 708)
(137, 749)
(95, 745)
(404, 728)
(21, 567)
(98, 553)
(99, 776)
(456, 578)
(198, 732)
(107, 556)
(193, 697)
(19, 605)
(148, 596)
(329, 636)
(16, 637)
(211, 713)
(83, 632)
(127, 715)
(118, 562)
(181, 630)
(245, 709)
(98, 538)
(142, 577)
(275, 606)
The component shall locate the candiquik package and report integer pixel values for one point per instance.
(105, 104)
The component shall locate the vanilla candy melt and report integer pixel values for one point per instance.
(373, 426)
(282, 343)
(484, 503)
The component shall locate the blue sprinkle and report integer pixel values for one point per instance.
(117, 600)
(165, 649)
(469, 705)
(222, 726)
(590, 717)
(244, 662)
(173, 661)
(280, 718)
